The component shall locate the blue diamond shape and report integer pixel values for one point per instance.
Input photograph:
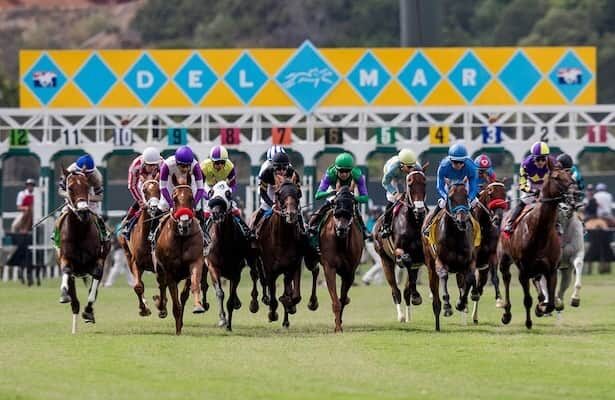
(469, 76)
(368, 77)
(95, 79)
(195, 78)
(245, 78)
(45, 79)
(519, 76)
(570, 76)
(307, 77)
(145, 79)
(419, 77)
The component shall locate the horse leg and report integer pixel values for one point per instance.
(347, 281)
(436, 304)
(264, 282)
(161, 300)
(204, 287)
(185, 293)
(413, 277)
(448, 309)
(178, 311)
(527, 298)
(296, 286)
(505, 262)
(231, 302)
(551, 281)
(273, 302)
(408, 295)
(196, 274)
(74, 302)
(313, 303)
(66, 275)
(88, 311)
(215, 279)
(286, 298)
(495, 281)
(575, 301)
(254, 302)
(139, 289)
(540, 289)
(388, 267)
(483, 275)
(462, 303)
(565, 273)
(335, 302)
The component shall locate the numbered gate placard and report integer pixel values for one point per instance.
(546, 131)
(19, 138)
(230, 136)
(334, 136)
(177, 136)
(281, 135)
(596, 134)
(386, 136)
(439, 134)
(122, 136)
(72, 136)
(491, 134)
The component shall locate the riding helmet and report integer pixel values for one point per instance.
(280, 160)
(85, 163)
(344, 161)
(151, 155)
(565, 160)
(273, 150)
(540, 149)
(184, 155)
(218, 153)
(407, 157)
(482, 162)
(457, 152)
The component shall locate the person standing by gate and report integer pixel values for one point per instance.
(25, 204)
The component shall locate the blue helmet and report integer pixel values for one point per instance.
(457, 152)
(85, 163)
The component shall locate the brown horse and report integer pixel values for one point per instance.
(403, 247)
(81, 249)
(179, 254)
(534, 246)
(228, 254)
(341, 245)
(138, 249)
(452, 250)
(489, 212)
(281, 250)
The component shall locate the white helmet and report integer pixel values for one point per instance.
(273, 150)
(151, 155)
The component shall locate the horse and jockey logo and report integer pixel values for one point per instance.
(314, 76)
(569, 76)
(45, 79)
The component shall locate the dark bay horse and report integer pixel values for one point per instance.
(179, 254)
(138, 249)
(228, 254)
(81, 249)
(403, 247)
(452, 249)
(281, 250)
(489, 212)
(341, 246)
(534, 246)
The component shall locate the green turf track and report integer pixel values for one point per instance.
(125, 356)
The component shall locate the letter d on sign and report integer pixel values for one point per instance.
(145, 79)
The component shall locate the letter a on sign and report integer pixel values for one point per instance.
(281, 135)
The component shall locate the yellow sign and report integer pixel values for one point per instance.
(439, 134)
(308, 77)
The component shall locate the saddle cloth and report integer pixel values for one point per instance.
(436, 221)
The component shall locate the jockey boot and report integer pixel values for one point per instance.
(429, 219)
(104, 233)
(206, 237)
(245, 230)
(153, 228)
(513, 216)
(257, 218)
(362, 224)
(385, 230)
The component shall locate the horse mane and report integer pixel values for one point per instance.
(288, 188)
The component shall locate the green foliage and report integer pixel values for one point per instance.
(8, 92)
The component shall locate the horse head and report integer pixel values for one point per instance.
(184, 204)
(556, 184)
(151, 194)
(78, 190)
(287, 198)
(494, 198)
(343, 212)
(220, 201)
(457, 203)
(415, 192)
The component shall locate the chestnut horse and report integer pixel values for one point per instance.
(81, 249)
(489, 212)
(341, 246)
(281, 250)
(229, 252)
(452, 250)
(534, 246)
(138, 249)
(179, 254)
(403, 247)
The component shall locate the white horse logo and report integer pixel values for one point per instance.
(45, 79)
(314, 76)
(569, 76)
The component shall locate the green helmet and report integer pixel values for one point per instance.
(344, 161)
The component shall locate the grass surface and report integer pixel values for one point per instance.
(125, 356)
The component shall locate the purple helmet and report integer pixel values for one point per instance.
(540, 149)
(184, 155)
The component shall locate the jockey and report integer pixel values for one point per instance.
(394, 183)
(486, 174)
(342, 173)
(182, 164)
(279, 166)
(273, 150)
(218, 168)
(145, 166)
(85, 165)
(531, 176)
(456, 167)
(565, 161)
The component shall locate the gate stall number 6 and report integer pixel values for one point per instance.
(122, 137)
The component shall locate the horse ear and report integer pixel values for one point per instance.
(174, 180)
(424, 166)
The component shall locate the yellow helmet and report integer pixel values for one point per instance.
(407, 157)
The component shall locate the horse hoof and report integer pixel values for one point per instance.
(222, 323)
(198, 309)
(345, 302)
(475, 321)
(254, 306)
(64, 297)
(448, 312)
(265, 300)
(538, 311)
(559, 307)
(338, 329)
(416, 299)
(273, 316)
(499, 303)
(237, 304)
(528, 324)
(313, 304)
(162, 314)
(506, 319)
(286, 301)
(401, 318)
(460, 306)
(88, 317)
(145, 312)
(206, 306)
(475, 297)
(575, 302)
(292, 309)
(229, 329)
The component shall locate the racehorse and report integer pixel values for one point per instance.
(534, 246)
(138, 249)
(81, 249)
(489, 212)
(341, 246)
(229, 251)
(281, 250)
(179, 254)
(403, 247)
(451, 248)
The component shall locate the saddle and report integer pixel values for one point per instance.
(436, 221)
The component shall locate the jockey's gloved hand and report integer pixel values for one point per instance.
(536, 192)
(441, 203)
(474, 202)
